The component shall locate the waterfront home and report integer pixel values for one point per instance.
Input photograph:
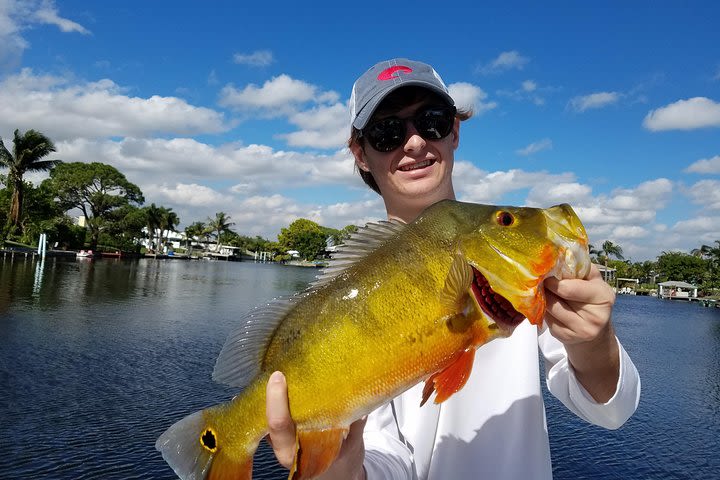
(677, 290)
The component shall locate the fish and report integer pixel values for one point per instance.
(400, 304)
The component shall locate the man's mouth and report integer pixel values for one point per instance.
(416, 165)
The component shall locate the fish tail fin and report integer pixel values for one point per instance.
(190, 447)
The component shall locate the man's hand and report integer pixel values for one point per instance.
(578, 314)
(349, 462)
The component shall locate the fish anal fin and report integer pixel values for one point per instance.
(316, 451)
(457, 284)
(449, 381)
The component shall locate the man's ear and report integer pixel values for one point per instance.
(359, 155)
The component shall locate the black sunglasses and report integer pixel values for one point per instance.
(432, 123)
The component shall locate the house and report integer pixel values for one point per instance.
(677, 290)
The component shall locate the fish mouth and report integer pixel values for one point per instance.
(497, 308)
(416, 165)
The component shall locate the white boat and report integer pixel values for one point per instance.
(85, 254)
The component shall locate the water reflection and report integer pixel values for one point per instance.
(39, 269)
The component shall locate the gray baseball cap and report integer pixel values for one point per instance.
(385, 77)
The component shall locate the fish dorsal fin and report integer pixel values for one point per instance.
(241, 358)
(360, 244)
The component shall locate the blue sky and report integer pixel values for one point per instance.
(225, 106)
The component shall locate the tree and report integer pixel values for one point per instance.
(96, 189)
(124, 228)
(609, 248)
(195, 230)
(594, 252)
(712, 256)
(305, 236)
(683, 267)
(159, 221)
(152, 224)
(28, 151)
(219, 224)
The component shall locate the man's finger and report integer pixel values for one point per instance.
(280, 425)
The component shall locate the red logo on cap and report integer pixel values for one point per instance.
(392, 72)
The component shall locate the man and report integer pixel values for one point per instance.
(405, 130)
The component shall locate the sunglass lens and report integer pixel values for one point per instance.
(434, 123)
(386, 135)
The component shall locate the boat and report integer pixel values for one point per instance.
(85, 254)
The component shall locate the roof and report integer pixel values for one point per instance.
(677, 284)
(603, 268)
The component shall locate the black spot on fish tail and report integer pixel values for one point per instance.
(208, 440)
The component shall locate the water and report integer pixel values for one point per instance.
(97, 358)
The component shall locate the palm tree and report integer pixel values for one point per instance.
(168, 221)
(707, 252)
(28, 150)
(609, 248)
(193, 230)
(153, 219)
(219, 224)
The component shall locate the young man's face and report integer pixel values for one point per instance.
(419, 171)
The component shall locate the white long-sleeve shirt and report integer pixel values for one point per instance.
(494, 427)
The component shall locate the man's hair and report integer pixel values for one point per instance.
(397, 100)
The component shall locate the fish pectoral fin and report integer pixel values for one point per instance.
(450, 380)
(316, 451)
(460, 276)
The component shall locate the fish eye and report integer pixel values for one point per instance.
(505, 219)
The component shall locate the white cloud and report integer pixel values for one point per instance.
(594, 100)
(184, 194)
(623, 215)
(626, 216)
(469, 96)
(325, 126)
(702, 230)
(167, 161)
(510, 60)
(48, 14)
(259, 58)
(278, 96)
(706, 193)
(697, 112)
(573, 193)
(63, 110)
(535, 147)
(475, 185)
(626, 232)
(652, 194)
(705, 165)
(19, 15)
(529, 91)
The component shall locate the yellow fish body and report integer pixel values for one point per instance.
(399, 305)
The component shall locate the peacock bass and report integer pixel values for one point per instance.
(400, 304)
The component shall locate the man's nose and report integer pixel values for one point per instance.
(413, 141)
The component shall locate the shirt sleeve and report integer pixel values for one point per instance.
(563, 384)
(386, 454)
